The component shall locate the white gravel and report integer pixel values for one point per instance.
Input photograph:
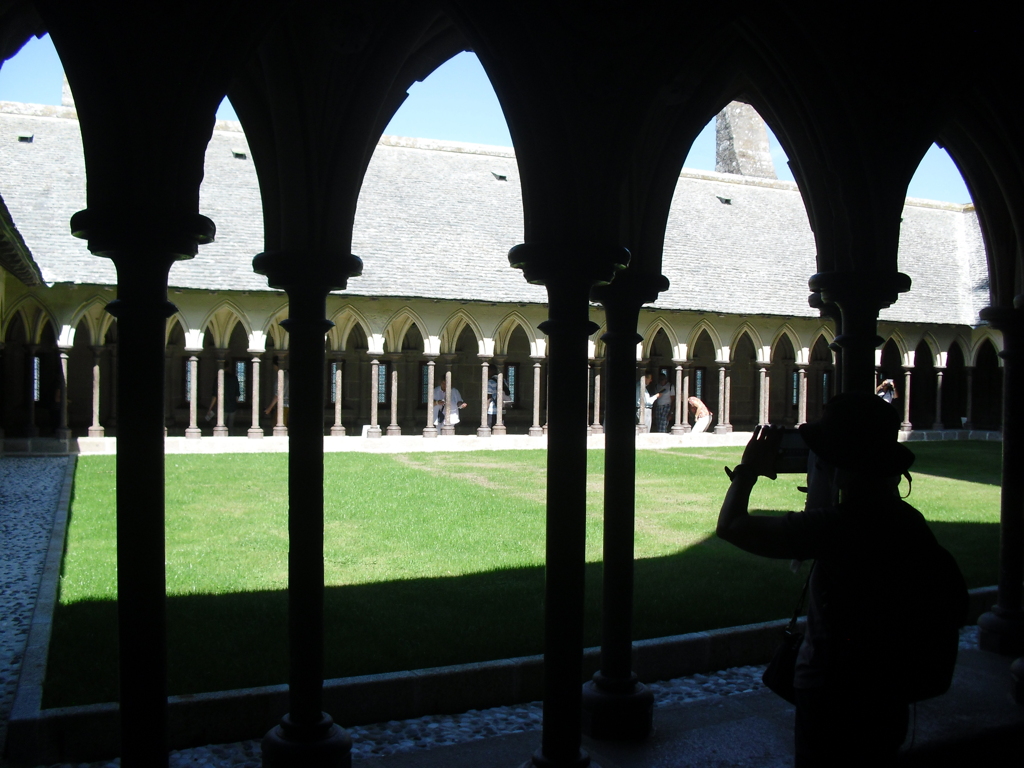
(29, 490)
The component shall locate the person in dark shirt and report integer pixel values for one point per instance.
(850, 706)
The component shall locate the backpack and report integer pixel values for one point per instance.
(930, 631)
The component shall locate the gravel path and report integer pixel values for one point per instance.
(29, 490)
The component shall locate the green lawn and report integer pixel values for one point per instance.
(436, 558)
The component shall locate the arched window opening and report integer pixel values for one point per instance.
(744, 412)
(705, 373)
(820, 379)
(923, 388)
(987, 392)
(954, 389)
(782, 372)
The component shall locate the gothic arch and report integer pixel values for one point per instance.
(786, 331)
(703, 326)
(34, 317)
(995, 340)
(650, 333)
(902, 347)
(399, 324)
(344, 320)
(92, 311)
(746, 329)
(452, 328)
(220, 321)
(507, 326)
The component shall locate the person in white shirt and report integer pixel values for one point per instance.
(441, 402)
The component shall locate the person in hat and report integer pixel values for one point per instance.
(849, 709)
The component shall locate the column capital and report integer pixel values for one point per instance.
(630, 289)
(552, 263)
(871, 289)
(290, 270)
(116, 234)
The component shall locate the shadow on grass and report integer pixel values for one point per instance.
(222, 642)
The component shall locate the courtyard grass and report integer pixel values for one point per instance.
(437, 558)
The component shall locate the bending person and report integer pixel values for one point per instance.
(701, 414)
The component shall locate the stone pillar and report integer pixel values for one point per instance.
(220, 430)
(535, 429)
(969, 371)
(586, 394)
(431, 429)
(306, 735)
(723, 427)
(616, 705)
(906, 426)
(96, 430)
(255, 430)
(1002, 628)
(499, 420)
(568, 273)
(801, 409)
(393, 429)
(447, 428)
(374, 430)
(62, 431)
(938, 423)
(596, 427)
(762, 410)
(682, 421)
(485, 368)
(192, 431)
(859, 295)
(280, 428)
(338, 430)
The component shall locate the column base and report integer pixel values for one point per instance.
(220, 432)
(338, 431)
(374, 432)
(446, 430)
(590, 431)
(326, 745)
(96, 431)
(499, 429)
(680, 429)
(1002, 631)
(280, 431)
(254, 433)
(536, 432)
(906, 426)
(617, 710)
(430, 432)
(596, 429)
(193, 433)
(540, 761)
(483, 431)
(722, 429)
(394, 430)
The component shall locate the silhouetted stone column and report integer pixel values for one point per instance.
(192, 431)
(801, 393)
(430, 430)
(568, 274)
(96, 429)
(938, 423)
(1002, 628)
(535, 429)
(338, 430)
(483, 430)
(374, 430)
(681, 425)
(762, 413)
(906, 426)
(616, 705)
(596, 427)
(306, 735)
(393, 429)
(63, 433)
(859, 295)
(220, 430)
(499, 419)
(723, 426)
(255, 430)
(280, 428)
(969, 372)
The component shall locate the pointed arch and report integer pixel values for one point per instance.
(345, 319)
(272, 326)
(177, 319)
(34, 316)
(650, 333)
(220, 321)
(695, 332)
(93, 312)
(507, 326)
(902, 346)
(786, 331)
(399, 324)
(452, 328)
(986, 335)
(746, 329)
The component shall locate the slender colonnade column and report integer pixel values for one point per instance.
(30, 371)
(448, 428)
(499, 419)
(220, 430)
(374, 430)
(906, 426)
(96, 429)
(596, 427)
(63, 433)
(762, 411)
(193, 431)
(431, 429)
(255, 430)
(338, 430)
(568, 276)
(938, 423)
(681, 425)
(535, 429)
(393, 429)
(484, 430)
(280, 428)
(801, 394)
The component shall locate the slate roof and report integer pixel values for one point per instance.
(434, 220)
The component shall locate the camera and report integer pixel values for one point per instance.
(793, 453)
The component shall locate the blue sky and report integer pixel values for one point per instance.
(457, 103)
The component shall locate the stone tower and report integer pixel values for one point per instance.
(742, 142)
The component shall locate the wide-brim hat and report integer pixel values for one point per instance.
(858, 432)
